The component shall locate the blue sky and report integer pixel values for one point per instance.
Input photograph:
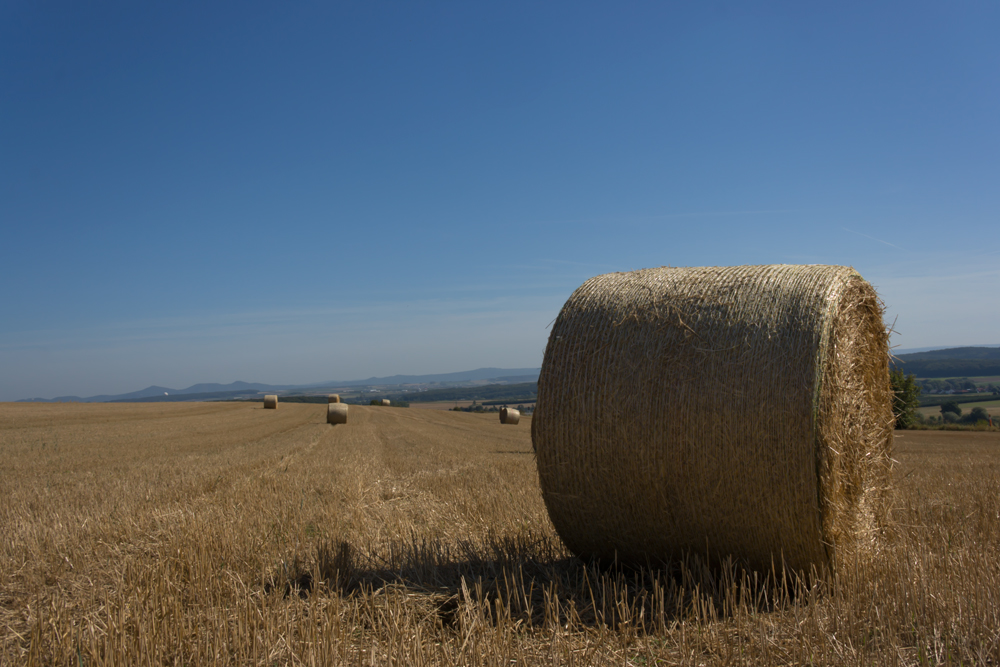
(299, 192)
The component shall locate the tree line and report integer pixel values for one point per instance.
(906, 401)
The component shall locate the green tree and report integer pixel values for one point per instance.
(977, 415)
(951, 406)
(905, 398)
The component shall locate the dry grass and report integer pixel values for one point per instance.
(226, 534)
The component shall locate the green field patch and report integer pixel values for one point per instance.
(510, 401)
(940, 399)
(992, 407)
(522, 391)
(303, 399)
(981, 404)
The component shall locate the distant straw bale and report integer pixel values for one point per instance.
(271, 401)
(740, 411)
(509, 415)
(336, 413)
(386, 401)
(333, 398)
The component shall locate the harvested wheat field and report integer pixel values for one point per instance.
(223, 533)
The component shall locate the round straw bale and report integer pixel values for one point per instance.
(386, 401)
(509, 415)
(336, 413)
(271, 401)
(333, 398)
(741, 411)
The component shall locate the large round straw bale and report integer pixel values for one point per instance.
(386, 401)
(336, 413)
(509, 415)
(271, 401)
(741, 411)
(333, 398)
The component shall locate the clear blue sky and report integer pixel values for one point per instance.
(298, 192)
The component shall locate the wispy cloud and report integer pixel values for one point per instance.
(872, 238)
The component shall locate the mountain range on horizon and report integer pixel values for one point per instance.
(946, 350)
(910, 358)
(956, 362)
(477, 375)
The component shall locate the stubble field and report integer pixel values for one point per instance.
(222, 533)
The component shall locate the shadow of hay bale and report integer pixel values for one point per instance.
(531, 579)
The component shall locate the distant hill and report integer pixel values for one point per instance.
(911, 350)
(178, 398)
(489, 374)
(964, 353)
(521, 391)
(102, 398)
(207, 387)
(215, 391)
(166, 393)
(951, 362)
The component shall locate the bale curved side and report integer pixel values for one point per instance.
(509, 416)
(271, 401)
(333, 398)
(739, 411)
(336, 413)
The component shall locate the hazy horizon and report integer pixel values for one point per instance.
(345, 382)
(505, 372)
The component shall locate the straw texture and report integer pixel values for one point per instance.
(336, 413)
(271, 401)
(509, 416)
(386, 401)
(740, 411)
(333, 398)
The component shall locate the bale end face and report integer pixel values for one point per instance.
(336, 413)
(271, 402)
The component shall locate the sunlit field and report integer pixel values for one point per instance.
(222, 533)
(991, 407)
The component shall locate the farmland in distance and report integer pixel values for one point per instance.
(222, 533)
